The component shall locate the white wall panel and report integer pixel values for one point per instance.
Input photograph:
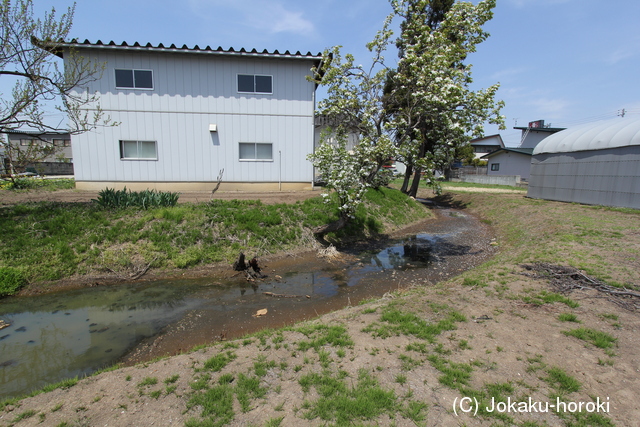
(191, 92)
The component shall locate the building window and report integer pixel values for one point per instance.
(138, 150)
(256, 151)
(495, 166)
(62, 142)
(26, 142)
(134, 79)
(249, 83)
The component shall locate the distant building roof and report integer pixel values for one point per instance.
(525, 151)
(487, 140)
(613, 133)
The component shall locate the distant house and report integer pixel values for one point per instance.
(509, 161)
(597, 163)
(59, 163)
(486, 145)
(516, 161)
(185, 114)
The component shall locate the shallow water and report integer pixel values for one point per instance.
(73, 333)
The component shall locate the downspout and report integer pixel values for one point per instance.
(280, 170)
(313, 135)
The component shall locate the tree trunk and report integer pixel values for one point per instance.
(413, 192)
(407, 177)
(334, 226)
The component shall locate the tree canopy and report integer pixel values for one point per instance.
(420, 110)
(39, 84)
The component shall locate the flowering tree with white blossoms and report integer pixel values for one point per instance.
(355, 103)
(437, 110)
(421, 112)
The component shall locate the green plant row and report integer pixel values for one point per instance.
(110, 198)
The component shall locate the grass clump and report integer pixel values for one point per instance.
(544, 297)
(568, 317)
(343, 404)
(11, 281)
(219, 361)
(398, 322)
(321, 335)
(598, 338)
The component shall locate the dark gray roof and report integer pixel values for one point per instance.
(525, 151)
(58, 48)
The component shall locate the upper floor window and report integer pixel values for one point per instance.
(138, 150)
(134, 79)
(250, 83)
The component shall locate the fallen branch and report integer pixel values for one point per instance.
(271, 294)
(567, 279)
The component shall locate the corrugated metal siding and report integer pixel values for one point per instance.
(603, 177)
(189, 94)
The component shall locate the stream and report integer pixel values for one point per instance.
(72, 333)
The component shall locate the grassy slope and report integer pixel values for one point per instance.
(50, 241)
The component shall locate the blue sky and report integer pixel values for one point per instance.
(565, 61)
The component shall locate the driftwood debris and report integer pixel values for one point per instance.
(566, 279)
(251, 269)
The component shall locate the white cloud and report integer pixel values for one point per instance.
(523, 3)
(551, 108)
(277, 19)
(270, 16)
(507, 73)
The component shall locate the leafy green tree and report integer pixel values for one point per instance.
(436, 110)
(28, 48)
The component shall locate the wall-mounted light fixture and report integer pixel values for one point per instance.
(213, 128)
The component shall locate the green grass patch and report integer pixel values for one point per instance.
(562, 382)
(219, 361)
(321, 335)
(568, 317)
(545, 297)
(33, 183)
(397, 322)
(11, 281)
(346, 402)
(598, 338)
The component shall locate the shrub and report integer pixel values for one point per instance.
(112, 199)
(11, 280)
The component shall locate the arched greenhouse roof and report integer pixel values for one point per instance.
(620, 132)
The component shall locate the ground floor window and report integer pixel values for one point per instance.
(256, 151)
(138, 150)
(495, 166)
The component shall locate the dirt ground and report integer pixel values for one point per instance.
(506, 343)
(78, 196)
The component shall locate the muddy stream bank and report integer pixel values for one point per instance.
(75, 332)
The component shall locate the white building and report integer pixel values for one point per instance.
(187, 113)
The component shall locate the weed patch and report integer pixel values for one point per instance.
(598, 338)
(338, 402)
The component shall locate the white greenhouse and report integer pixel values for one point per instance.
(596, 164)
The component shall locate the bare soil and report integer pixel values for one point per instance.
(508, 339)
(79, 196)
